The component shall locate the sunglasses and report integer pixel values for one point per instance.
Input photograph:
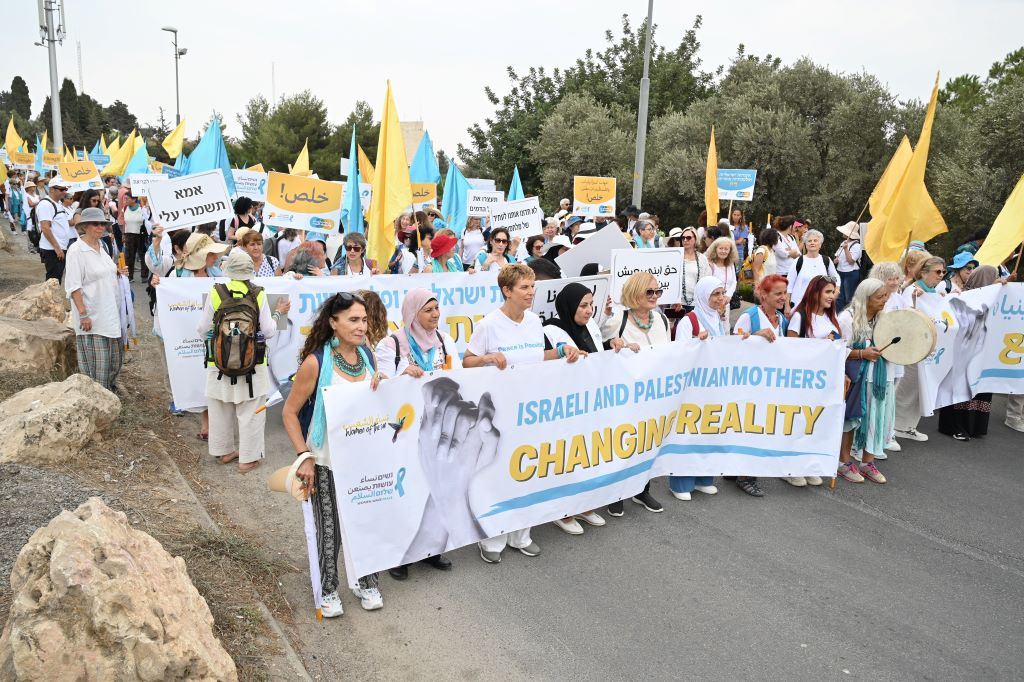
(687, 237)
(940, 272)
(344, 297)
(653, 293)
(353, 247)
(500, 241)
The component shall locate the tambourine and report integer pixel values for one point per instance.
(905, 337)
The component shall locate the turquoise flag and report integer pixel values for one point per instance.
(211, 154)
(139, 163)
(96, 149)
(455, 203)
(179, 163)
(424, 164)
(351, 207)
(515, 191)
(39, 155)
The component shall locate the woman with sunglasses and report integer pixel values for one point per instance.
(335, 352)
(695, 266)
(640, 325)
(355, 261)
(498, 253)
(962, 266)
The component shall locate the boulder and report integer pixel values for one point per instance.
(39, 301)
(51, 423)
(95, 599)
(44, 347)
(6, 241)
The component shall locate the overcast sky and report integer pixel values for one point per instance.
(439, 55)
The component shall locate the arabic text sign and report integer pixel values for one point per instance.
(50, 161)
(593, 196)
(597, 248)
(82, 175)
(522, 218)
(665, 264)
(546, 291)
(423, 194)
(250, 184)
(999, 366)
(553, 439)
(302, 203)
(190, 200)
(22, 160)
(736, 184)
(141, 182)
(481, 203)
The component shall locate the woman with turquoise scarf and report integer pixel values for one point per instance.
(870, 391)
(646, 235)
(335, 352)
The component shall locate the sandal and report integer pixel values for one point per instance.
(960, 435)
(750, 487)
(228, 458)
(248, 466)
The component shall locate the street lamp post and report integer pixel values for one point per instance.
(641, 119)
(178, 54)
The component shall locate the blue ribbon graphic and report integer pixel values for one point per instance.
(399, 477)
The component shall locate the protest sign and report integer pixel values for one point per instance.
(998, 366)
(302, 203)
(463, 298)
(736, 184)
(82, 175)
(100, 160)
(480, 202)
(482, 184)
(423, 194)
(522, 218)
(50, 161)
(542, 441)
(933, 369)
(545, 291)
(190, 200)
(140, 182)
(365, 194)
(250, 184)
(665, 264)
(22, 160)
(593, 196)
(596, 249)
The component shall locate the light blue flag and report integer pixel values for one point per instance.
(96, 149)
(515, 190)
(455, 203)
(39, 155)
(139, 163)
(211, 154)
(351, 205)
(179, 163)
(424, 164)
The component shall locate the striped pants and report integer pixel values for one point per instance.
(328, 532)
(100, 357)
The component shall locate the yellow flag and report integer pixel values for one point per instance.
(172, 143)
(114, 147)
(910, 212)
(13, 141)
(1007, 231)
(301, 165)
(103, 144)
(3, 173)
(257, 167)
(365, 167)
(119, 159)
(711, 204)
(43, 143)
(392, 189)
(890, 179)
(68, 156)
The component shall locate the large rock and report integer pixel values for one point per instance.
(5, 240)
(39, 301)
(45, 347)
(50, 423)
(95, 599)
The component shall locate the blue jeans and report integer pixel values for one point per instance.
(686, 484)
(848, 282)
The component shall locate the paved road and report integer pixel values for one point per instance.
(922, 578)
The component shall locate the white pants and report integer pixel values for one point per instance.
(227, 419)
(908, 400)
(517, 539)
(1015, 409)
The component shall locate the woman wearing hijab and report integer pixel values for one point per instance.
(969, 419)
(706, 321)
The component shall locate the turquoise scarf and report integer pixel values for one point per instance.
(318, 429)
(425, 362)
(879, 379)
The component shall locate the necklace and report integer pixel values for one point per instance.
(352, 369)
(638, 323)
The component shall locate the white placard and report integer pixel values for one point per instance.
(546, 290)
(596, 249)
(522, 218)
(481, 202)
(141, 182)
(250, 184)
(190, 200)
(482, 184)
(665, 264)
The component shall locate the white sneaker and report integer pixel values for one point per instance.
(572, 526)
(856, 454)
(685, 497)
(330, 605)
(893, 446)
(369, 598)
(813, 480)
(592, 518)
(706, 489)
(882, 455)
(798, 481)
(912, 434)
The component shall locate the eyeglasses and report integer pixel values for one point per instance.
(687, 237)
(655, 293)
(500, 241)
(353, 247)
(940, 272)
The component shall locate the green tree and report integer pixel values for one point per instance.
(121, 120)
(256, 113)
(367, 131)
(69, 113)
(297, 119)
(20, 102)
(966, 93)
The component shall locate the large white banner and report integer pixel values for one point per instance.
(190, 200)
(934, 368)
(251, 184)
(463, 455)
(665, 264)
(522, 218)
(464, 299)
(998, 366)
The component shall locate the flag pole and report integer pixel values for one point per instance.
(1020, 251)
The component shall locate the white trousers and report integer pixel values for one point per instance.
(517, 539)
(227, 419)
(908, 400)
(1015, 409)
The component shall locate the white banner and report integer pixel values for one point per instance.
(522, 218)
(481, 202)
(998, 366)
(190, 200)
(547, 290)
(597, 248)
(665, 264)
(495, 451)
(250, 184)
(934, 368)
(140, 182)
(463, 298)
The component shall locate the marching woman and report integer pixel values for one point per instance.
(418, 348)
(640, 325)
(354, 262)
(574, 325)
(890, 273)
(763, 262)
(871, 392)
(472, 242)
(512, 335)
(442, 255)
(252, 242)
(815, 316)
(496, 256)
(695, 266)
(722, 257)
(962, 267)
(334, 353)
(811, 264)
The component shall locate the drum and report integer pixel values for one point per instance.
(915, 330)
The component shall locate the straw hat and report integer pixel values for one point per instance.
(850, 230)
(240, 232)
(286, 479)
(196, 249)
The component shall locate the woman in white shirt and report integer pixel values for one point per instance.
(815, 317)
(788, 248)
(695, 266)
(472, 242)
(847, 261)
(722, 257)
(806, 267)
(135, 237)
